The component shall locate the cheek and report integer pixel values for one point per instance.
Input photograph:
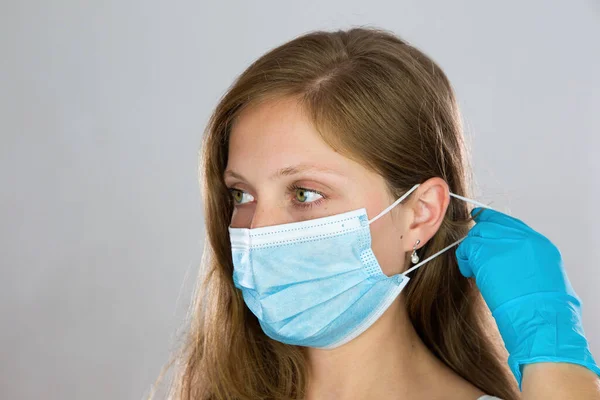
(241, 217)
(387, 246)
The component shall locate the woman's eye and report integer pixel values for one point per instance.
(307, 196)
(241, 197)
(302, 197)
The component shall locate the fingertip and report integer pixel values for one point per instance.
(483, 214)
(477, 212)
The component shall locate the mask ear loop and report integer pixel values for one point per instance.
(453, 244)
(445, 248)
(405, 195)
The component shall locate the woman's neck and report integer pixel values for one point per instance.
(387, 361)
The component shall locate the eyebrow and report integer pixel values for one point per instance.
(291, 170)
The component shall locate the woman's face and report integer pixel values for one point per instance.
(280, 170)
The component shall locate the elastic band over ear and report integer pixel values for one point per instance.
(395, 203)
(449, 246)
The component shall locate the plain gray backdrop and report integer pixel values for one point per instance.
(102, 109)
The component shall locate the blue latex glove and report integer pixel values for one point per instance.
(521, 277)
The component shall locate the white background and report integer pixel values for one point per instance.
(102, 109)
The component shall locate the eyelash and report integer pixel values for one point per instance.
(292, 189)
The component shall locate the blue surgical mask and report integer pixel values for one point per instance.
(316, 283)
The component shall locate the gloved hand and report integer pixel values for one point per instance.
(521, 277)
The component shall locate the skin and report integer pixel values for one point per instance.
(272, 147)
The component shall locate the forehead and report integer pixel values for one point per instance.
(275, 134)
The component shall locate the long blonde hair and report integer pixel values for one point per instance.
(378, 100)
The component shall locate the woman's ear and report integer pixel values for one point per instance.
(428, 206)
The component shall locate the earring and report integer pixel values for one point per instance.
(414, 257)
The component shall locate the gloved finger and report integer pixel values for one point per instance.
(466, 255)
(494, 230)
(487, 214)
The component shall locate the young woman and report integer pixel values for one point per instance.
(332, 168)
